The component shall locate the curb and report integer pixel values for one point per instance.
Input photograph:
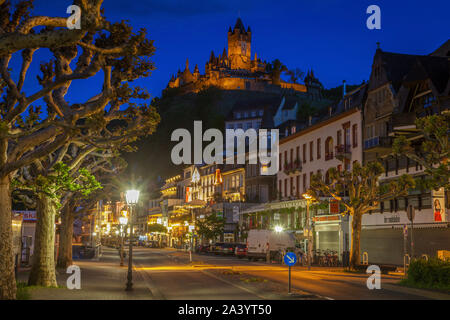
(418, 292)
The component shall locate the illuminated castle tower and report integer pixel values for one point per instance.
(239, 46)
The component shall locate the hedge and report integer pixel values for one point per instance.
(434, 273)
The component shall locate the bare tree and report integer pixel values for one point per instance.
(27, 133)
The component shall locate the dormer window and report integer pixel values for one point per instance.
(246, 115)
(261, 113)
(253, 113)
(238, 115)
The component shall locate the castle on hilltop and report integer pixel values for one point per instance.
(236, 70)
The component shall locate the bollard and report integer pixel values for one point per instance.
(365, 259)
(406, 262)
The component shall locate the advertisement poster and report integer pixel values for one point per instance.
(438, 198)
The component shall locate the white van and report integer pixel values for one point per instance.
(260, 241)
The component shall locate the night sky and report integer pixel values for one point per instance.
(329, 36)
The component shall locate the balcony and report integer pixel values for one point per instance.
(378, 143)
(328, 156)
(293, 167)
(343, 152)
(404, 122)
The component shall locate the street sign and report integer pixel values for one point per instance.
(410, 212)
(290, 259)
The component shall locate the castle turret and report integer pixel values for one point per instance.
(196, 73)
(239, 46)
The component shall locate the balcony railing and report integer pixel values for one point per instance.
(343, 151)
(380, 142)
(328, 156)
(292, 167)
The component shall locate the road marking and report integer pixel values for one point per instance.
(232, 284)
(157, 295)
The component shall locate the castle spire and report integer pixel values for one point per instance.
(212, 57)
(196, 69)
(187, 64)
(224, 53)
(239, 25)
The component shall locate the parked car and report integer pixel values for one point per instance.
(228, 248)
(217, 248)
(203, 248)
(86, 252)
(241, 250)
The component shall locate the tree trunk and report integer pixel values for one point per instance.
(65, 238)
(43, 268)
(7, 276)
(356, 239)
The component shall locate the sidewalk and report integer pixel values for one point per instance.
(100, 280)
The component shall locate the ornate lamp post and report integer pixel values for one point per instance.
(132, 197)
(123, 221)
(309, 199)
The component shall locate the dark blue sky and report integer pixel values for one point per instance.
(329, 36)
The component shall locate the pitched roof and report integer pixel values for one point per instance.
(397, 65)
(435, 68)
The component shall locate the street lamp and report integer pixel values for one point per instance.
(309, 199)
(132, 197)
(123, 221)
(278, 229)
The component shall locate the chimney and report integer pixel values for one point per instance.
(330, 110)
(344, 88)
(310, 120)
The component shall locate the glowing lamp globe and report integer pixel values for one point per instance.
(132, 196)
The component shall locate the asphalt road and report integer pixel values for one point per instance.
(169, 275)
(168, 278)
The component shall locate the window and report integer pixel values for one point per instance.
(248, 125)
(292, 156)
(311, 149)
(304, 153)
(279, 186)
(355, 135)
(318, 148)
(297, 153)
(304, 182)
(347, 136)
(329, 148)
(246, 115)
(238, 115)
(339, 137)
(285, 187)
(297, 178)
(261, 113)
(253, 114)
(292, 186)
(281, 161)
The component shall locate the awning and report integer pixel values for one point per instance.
(196, 203)
(256, 208)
